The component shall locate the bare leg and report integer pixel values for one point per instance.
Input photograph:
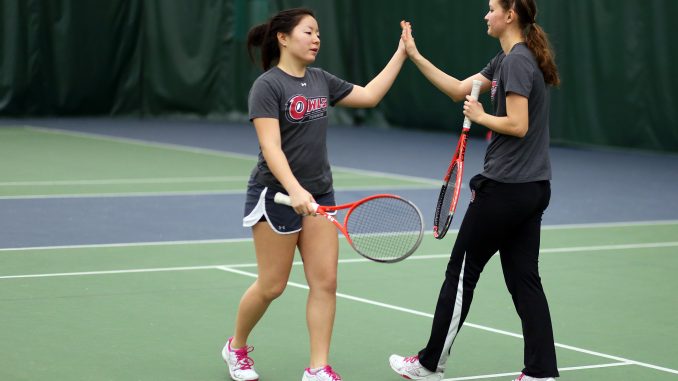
(319, 248)
(275, 253)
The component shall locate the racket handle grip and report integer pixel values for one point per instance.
(475, 91)
(284, 199)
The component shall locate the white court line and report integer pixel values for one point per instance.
(160, 180)
(509, 374)
(649, 245)
(128, 244)
(124, 194)
(144, 143)
(477, 326)
(390, 175)
(228, 240)
(109, 272)
(609, 224)
(212, 152)
(233, 240)
(300, 263)
(199, 193)
(233, 269)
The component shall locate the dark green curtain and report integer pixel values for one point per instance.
(616, 60)
(181, 61)
(62, 57)
(189, 58)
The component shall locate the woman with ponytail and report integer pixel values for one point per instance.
(288, 106)
(507, 199)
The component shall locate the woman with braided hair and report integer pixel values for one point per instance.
(507, 199)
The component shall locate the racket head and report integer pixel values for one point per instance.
(384, 228)
(445, 205)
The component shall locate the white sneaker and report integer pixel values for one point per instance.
(326, 373)
(411, 368)
(240, 365)
(524, 377)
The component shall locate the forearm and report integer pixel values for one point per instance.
(449, 85)
(504, 125)
(515, 123)
(277, 163)
(379, 85)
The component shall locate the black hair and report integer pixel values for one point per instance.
(265, 36)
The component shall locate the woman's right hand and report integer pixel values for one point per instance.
(301, 202)
(408, 39)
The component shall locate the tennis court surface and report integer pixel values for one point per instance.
(122, 257)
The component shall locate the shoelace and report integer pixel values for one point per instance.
(330, 372)
(242, 358)
(411, 359)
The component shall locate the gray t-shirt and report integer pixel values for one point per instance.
(300, 105)
(511, 159)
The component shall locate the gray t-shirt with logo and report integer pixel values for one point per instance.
(300, 105)
(511, 159)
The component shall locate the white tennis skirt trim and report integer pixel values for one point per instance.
(259, 211)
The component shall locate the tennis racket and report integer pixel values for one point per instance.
(383, 228)
(449, 192)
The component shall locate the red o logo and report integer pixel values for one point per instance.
(297, 107)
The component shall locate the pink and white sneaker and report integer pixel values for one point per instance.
(411, 369)
(325, 373)
(240, 365)
(524, 377)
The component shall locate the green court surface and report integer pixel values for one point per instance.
(162, 311)
(151, 312)
(40, 162)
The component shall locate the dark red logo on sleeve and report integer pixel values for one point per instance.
(493, 92)
(301, 109)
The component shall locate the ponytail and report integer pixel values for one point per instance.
(265, 36)
(538, 42)
(260, 37)
(535, 38)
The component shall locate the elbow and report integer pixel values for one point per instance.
(457, 93)
(520, 131)
(457, 96)
(269, 149)
(369, 96)
(371, 102)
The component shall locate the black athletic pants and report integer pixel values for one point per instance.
(506, 218)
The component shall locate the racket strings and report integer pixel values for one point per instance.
(445, 202)
(444, 207)
(385, 228)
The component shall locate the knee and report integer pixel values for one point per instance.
(327, 284)
(272, 291)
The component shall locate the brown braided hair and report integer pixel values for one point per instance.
(535, 37)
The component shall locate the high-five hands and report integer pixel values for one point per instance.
(407, 39)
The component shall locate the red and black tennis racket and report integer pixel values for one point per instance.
(383, 228)
(449, 193)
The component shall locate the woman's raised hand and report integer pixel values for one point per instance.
(407, 39)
